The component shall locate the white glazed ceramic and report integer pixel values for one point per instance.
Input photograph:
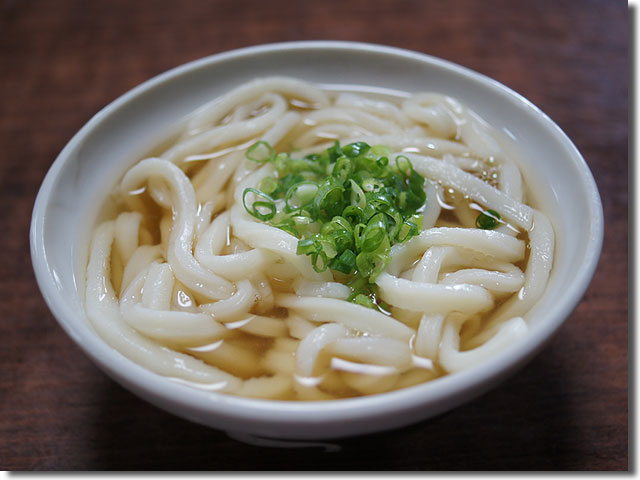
(98, 155)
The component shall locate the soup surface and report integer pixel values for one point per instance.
(298, 243)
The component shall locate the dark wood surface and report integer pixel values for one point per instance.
(62, 60)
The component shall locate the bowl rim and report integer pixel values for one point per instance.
(295, 412)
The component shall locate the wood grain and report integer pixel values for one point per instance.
(61, 61)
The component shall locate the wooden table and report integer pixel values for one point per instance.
(61, 61)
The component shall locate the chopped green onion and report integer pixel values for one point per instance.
(355, 149)
(406, 231)
(260, 152)
(354, 214)
(287, 227)
(268, 185)
(380, 151)
(304, 192)
(362, 299)
(342, 168)
(357, 235)
(346, 206)
(358, 198)
(366, 263)
(345, 263)
(319, 261)
(262, 210)
(334, 152)
(328, 199)
(281, 162)
(488, 220)
(374, 233)
(379, 263)
(382, 162)
(306, 246)
(342, 223)
(372, 185)
(404, 165)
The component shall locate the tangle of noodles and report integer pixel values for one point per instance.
(183, 281)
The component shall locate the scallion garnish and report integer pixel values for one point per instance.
(488, 220)
(260, 152)
(261, 209)
(347, 206)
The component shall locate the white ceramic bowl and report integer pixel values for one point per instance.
(98, 155)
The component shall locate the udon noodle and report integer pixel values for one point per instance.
(182, 280)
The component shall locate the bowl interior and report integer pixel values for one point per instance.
(94, 160)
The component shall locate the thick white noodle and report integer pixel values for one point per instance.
(348, 116)
(235, 266)
(165, 325)
(471, 186)
(541, 248)
(312, 345)
(205, 212)
(140, 259)
(433, 297)
(260, 235)
(486, 242)
(229, 133)
(214, 111)
(373, 350)
(476, 134)
(427, 342)
(454, 360)
(260, 283)
(305, 288)
(506, 282)
(158, 287)
(487, 272)
(541, 244)
(179, 251)
(260, 326)
(511, 181)
(308, 142)
(432, 210)
(377, 107)
(407, 141)
(349, 314)
(468, 164)
(427, 108)
(103, 311)
(298, 326)
(236, 306)
(127, 230)
(281, 128)
(428, 268)
(213, 176)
